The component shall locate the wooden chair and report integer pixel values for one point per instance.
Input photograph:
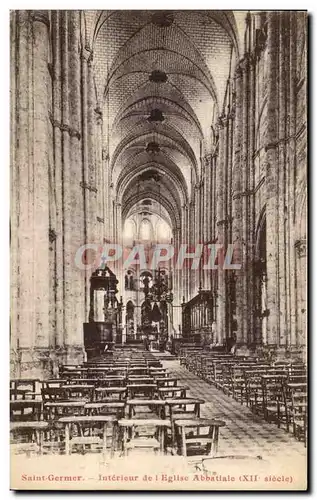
(273, 399)
(154, 363)
(138, 370)
(47, 384)
(89, 430)
(156, 406)
(113, 381)
(24, 388)
(79, 391)
(160, 372)
(139, 379)
(97, 382)
(118, 393)
(71, 372)
(299, 415)
(173, 392)
(254, 391)
(25, 410)
(53, 394)
(166, 381)
(28, 436)
(53, 410)
(197, 436)
(225, 381)
(106, 407)
(238, 381)
(143, 434)
(141, 390)
(182, 409)
(26, 426)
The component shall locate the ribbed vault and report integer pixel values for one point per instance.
(161, 88)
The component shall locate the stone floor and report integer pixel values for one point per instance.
(244, 433)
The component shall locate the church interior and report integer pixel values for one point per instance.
(158, 137)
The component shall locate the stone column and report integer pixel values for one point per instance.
(23, 322)
(57, 145)
(89, 176)
(189, 241)
(185, 240)
(73, 200)
(207, 218)
(281, 215)
(41, 125)
(228, 215)
(237, 199)
(221, 229)
(91, 106)
(119, 240)
(85, 54)
(14, 242)
(245, 194)
(196, 274)
(213, 273)
(100, 179)
(292, 220)
(251, 218)
(177, 282)
(66, 178)
(30, 173)
(272, 180)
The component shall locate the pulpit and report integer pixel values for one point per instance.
(104, 314)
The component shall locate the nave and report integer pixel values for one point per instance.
(165, 141)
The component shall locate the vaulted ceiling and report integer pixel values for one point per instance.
(160, 79)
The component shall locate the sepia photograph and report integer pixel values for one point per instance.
(158, 262)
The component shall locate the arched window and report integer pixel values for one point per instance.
(146, 230)
(163, 231)
(129, 230)
(129, 281)
(130, 319)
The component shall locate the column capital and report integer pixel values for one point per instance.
(301, 248)
(198, 185)
(208, 159)
(41, 16)
(98, 115)
(87, 54)
(89, 187)
(253, 58)
(105, 155)
(232, 112)
(242, 66)
(222, 121)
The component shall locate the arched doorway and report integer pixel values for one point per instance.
(130, 320)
